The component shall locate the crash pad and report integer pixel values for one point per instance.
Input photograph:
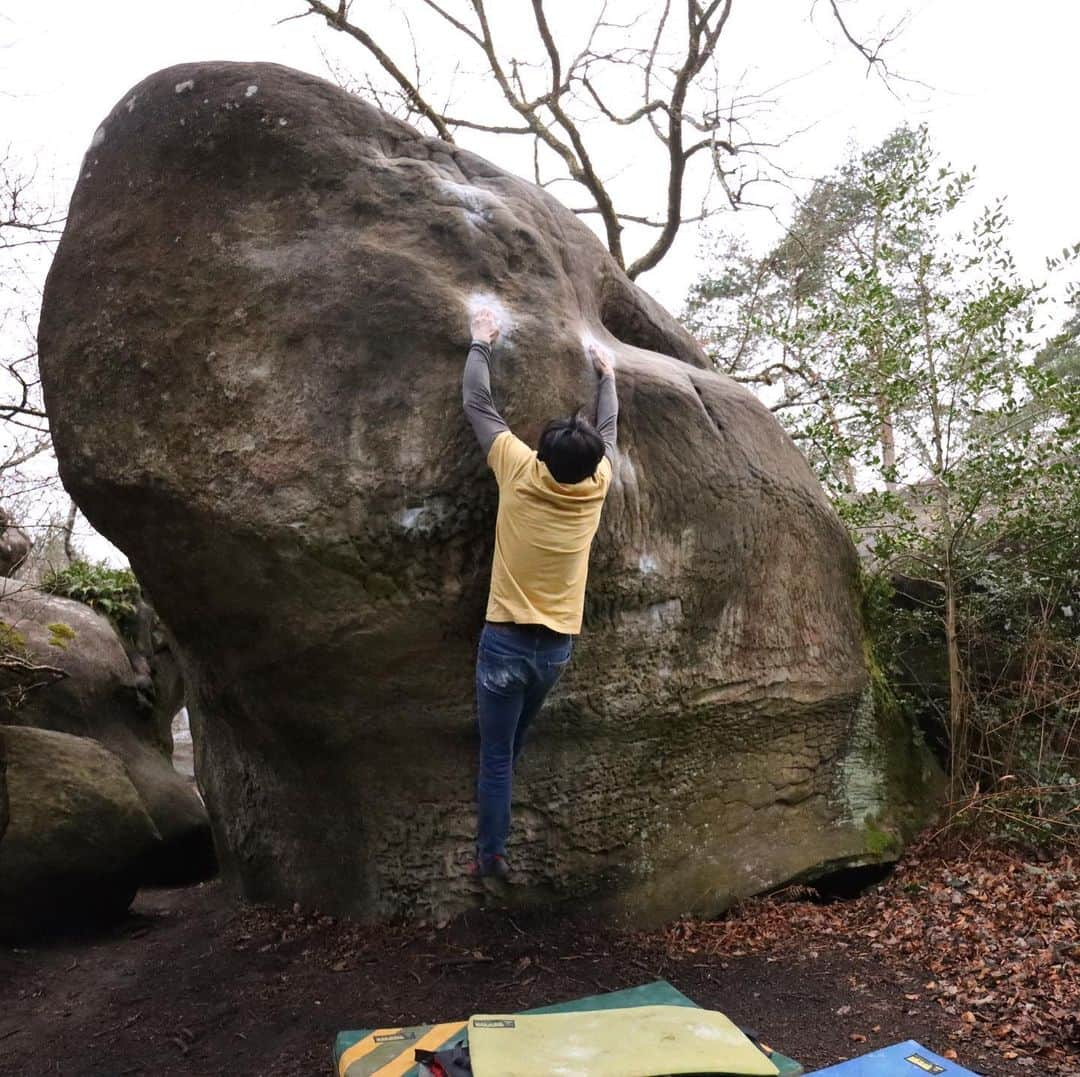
(636, 1041)
(907, 1059)
(389, 1052)
(352, 1048)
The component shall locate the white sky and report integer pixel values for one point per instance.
(1000, 93)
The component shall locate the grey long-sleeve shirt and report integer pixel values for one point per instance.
(488, 424)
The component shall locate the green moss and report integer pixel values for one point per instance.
(11, 641)
(879, 842)
(913, 777)
(60, 634)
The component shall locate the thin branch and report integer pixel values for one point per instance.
(648, 222)
(338, 20)
(457, 24)
(622, 121)
(872, 58)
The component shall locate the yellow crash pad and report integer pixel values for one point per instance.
(641, 1041)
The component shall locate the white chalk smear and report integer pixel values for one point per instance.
(183, 87)
(478, 300)
(475, 201)
(707, 1032)
(474, 198)
(131, 103)
(409, 519)
(647, 564)
(423, 518)
(588, 339)
(99, 137)
(251, 91)
(579, 1053)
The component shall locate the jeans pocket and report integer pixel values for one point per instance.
(554, 664)
(496, 673)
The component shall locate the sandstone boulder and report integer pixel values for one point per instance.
(251, 348)
(101, 698)
(76, 837)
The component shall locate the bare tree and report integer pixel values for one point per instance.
(680, 103)
(26, 227)
(29, 227)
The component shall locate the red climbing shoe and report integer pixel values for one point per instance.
(491, 867)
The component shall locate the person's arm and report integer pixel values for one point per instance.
(607, 400)
(476, 399)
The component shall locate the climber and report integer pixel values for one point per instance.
(549, 510)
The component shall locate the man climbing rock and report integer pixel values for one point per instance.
(549, 510)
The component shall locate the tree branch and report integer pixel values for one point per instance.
(338, 20)
(700, 46)
(575, 93)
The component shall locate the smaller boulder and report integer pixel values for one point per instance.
(101, 696)
(77, 837)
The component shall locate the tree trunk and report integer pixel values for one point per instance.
(888, 443)
(957, 702)
(69, 532)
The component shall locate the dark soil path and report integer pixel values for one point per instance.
(192, 983)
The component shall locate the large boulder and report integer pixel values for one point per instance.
(74, 835)
(251, 348)
(100, 696)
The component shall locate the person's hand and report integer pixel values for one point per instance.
(603, 360)
(484, 325)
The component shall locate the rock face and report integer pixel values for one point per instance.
(100, 698)
(158, 678)
(76, 834)
(251, 348)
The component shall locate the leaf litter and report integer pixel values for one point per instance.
(996, 934)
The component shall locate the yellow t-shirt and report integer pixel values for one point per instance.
(542, 538)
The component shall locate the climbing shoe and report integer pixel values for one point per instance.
(492, 867)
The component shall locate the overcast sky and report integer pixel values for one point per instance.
(1001, 76)
(1000, 87)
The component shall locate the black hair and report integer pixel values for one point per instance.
(572, 449)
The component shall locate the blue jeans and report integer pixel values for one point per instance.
(516, 667)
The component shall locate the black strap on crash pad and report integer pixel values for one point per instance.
(453, 1061)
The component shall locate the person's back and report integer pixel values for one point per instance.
(549, 510)
(542, 538)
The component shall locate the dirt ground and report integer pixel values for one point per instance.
(194, 983)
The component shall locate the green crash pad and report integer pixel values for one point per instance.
(639, 1041)
(350, 1048)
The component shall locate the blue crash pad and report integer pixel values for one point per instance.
(907, 1059)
